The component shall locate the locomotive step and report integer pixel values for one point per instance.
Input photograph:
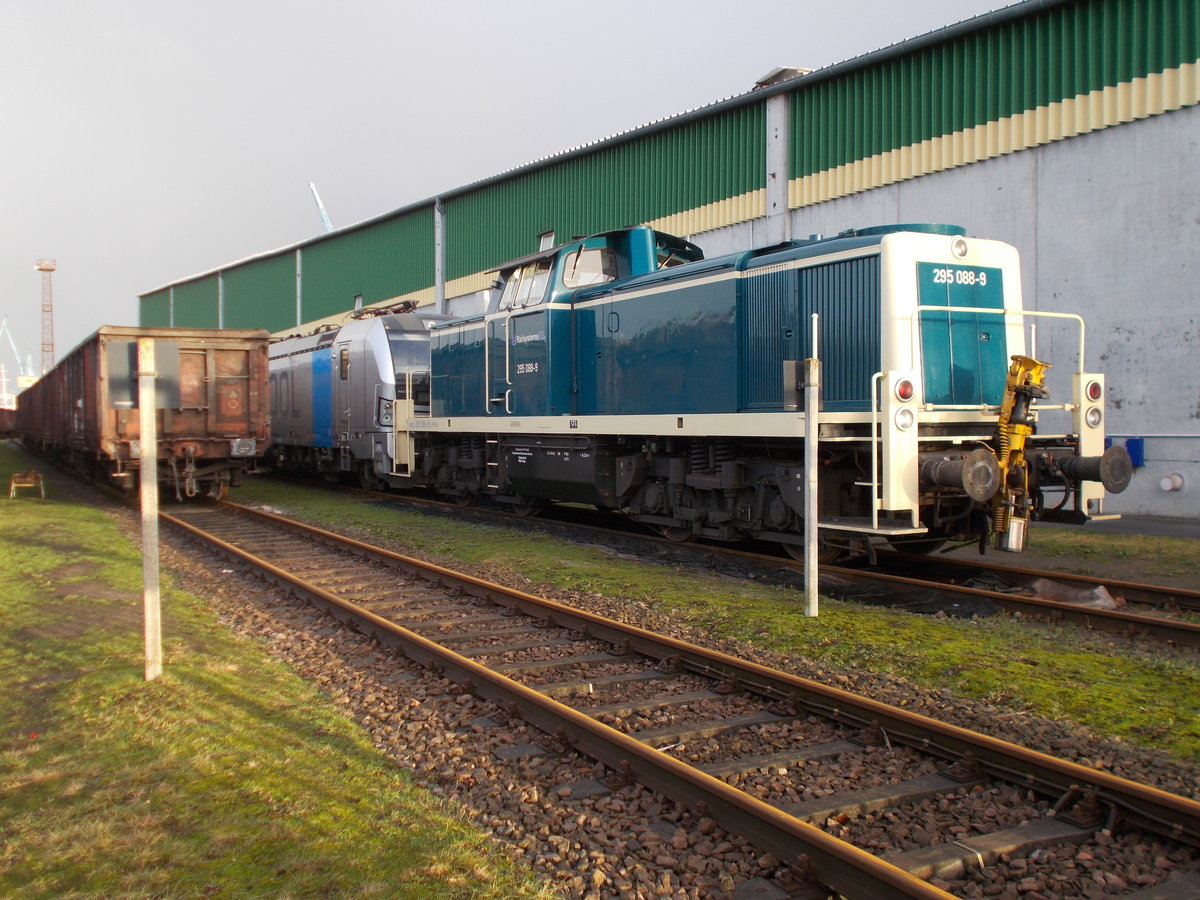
(863, 524)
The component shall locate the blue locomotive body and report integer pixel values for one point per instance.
(710, 336)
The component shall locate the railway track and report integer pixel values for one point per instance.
(1140, 611)
(792, 765)
(1139, 594)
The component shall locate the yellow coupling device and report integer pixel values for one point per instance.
(1010, 517)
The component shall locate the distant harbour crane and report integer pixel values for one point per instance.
(321, 208)
(25, 373)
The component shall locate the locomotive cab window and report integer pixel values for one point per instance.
(589, 265)
(344, 363)
(672, 251)
(527, 285)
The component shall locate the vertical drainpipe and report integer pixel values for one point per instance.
(171, 306)
(299, 286)
(779, 227)
(439, 256)
(220, 299)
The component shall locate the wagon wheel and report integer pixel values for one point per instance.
(677, 534)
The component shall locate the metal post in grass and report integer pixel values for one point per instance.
(148, 437)
(812, 405)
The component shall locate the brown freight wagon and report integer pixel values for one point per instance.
(213, 416)
(8, 423)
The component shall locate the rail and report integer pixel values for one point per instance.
(1140, 804)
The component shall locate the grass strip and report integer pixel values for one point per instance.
(1148, 556)
(228, 777)
(1144, 695)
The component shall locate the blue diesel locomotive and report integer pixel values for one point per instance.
(627, 371)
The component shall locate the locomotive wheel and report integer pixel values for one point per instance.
(827, 553)
(918, 548)
(462, 499)
(368, 480)
(933, 542)
(525, 510)
(677, 534)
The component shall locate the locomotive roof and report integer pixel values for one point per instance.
(816, 245)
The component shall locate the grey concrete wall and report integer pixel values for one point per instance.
(1108, 226)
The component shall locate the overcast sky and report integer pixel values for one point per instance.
(147, 140)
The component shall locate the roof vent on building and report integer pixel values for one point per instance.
(778, 75)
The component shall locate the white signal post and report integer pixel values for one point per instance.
(812, 403)
(148, 435)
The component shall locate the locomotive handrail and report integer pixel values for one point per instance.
(916, 314)
(876, 446)
(489, 400)
(507, 359)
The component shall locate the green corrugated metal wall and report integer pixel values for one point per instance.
(628, 183)
(196, 304)
(261, 294)
(155, 309)
(380, 261)
(979, 78)
(987, 75)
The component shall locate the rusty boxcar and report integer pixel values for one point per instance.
(212, 425)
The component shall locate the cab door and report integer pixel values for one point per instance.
(497, 381)
(529, 362)
(517, 343)
(343, 404)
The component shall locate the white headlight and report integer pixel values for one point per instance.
(1093, 417)
(385, 412)
(904, 418)
(958, 247)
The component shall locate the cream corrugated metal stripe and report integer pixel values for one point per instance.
(742, 208)
(1139, 98)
